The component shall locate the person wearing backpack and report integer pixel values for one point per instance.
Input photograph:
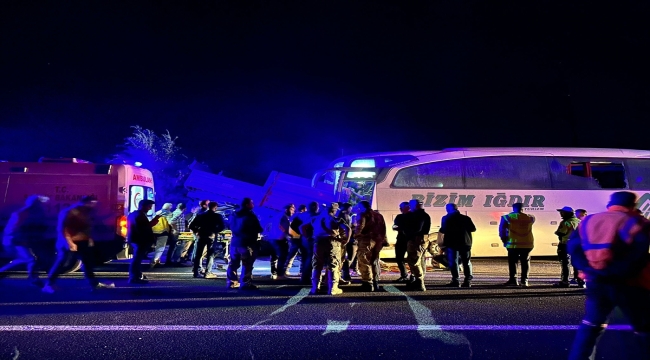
(611, 251)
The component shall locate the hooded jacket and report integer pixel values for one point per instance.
(245, 227)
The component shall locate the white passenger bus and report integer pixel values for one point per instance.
(485, 182)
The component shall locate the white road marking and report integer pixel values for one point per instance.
(335, 326)
(292, 301)
(419, 328)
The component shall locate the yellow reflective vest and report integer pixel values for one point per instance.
(516, 230)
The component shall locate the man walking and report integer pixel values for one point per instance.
(25, 227)
(245, 227)
(418, 225)
(178, 248)
(516, 233)
(457, 230)
(162, 230)
(74, 240)
(611, 249)
(207, 226)
(140, 236)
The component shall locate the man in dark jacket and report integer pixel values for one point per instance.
(140, 235)
(245, 227)
(26, 227)
(206, 225)
(457, 229)
(400, 244)
(74, 240)
(417, 227)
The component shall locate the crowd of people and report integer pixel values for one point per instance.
(609, 251)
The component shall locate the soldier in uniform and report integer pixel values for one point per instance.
(418, 224)
(349, 251)
(366, 235)
(329, 238)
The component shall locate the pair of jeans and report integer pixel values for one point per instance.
(181, 248)
(24, 255)
(516, 255)
(204, 243)
(64, 256)
(140, 252)
(171, 241)
(400, 257)
(306, 257)
(464, 255)
(281, 250)
(243, 256)
(294, 247)
(601, 300)
(565, 261)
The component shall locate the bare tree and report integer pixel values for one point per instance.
(162, 156)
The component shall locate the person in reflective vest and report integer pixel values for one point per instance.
(568, 224)
(516, 233)
(611, 251)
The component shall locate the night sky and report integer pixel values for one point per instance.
(255, 86)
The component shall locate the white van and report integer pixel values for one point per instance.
(117, 188)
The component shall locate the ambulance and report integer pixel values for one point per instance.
(117, 188)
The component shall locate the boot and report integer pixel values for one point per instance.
(366, 286)
(418, 285)
(315, 282)
(375, 285)
(333, 280)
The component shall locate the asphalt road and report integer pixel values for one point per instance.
(178, 317)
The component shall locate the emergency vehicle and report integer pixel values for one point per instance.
(117, 188)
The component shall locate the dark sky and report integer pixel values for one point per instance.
(255, 86)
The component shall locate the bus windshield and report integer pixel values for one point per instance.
(355, 191)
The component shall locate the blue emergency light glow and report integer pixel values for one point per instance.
(137, 163)
(363, 163)
(361, 174)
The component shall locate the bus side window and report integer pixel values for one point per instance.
(639, 170)
(587, 175)
(571, 174)
(609, 175)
